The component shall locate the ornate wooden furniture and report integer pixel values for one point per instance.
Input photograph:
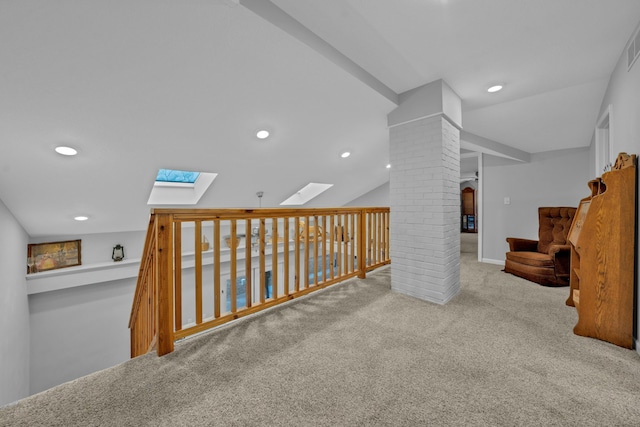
(602, 240)
(469, 210)
(546, 260)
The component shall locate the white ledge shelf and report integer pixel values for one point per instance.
(71, 277)
(82, 275)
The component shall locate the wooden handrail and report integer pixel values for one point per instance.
(287, 253)
(142, 320)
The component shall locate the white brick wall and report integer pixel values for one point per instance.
(425, 209)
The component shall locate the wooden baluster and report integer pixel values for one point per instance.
(274, 258)
(324, 248)
(386, 236)
(216, 269)
(165, 280)
(362, 244)
(247, 265)
(233, 266)
(373, 238)
(297, 254)
(178, 276)
(332, 238)
(340, 243)
(306, 252)
(379, 238)
(315, 237)
(345, 245)
(262, 282)
(351, 242)
(369, 239)
(198, 270)
(286, 256)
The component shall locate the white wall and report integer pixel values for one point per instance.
(80, 330)
(623, 94)
(379, 196)
(14, 311)
(53, 337)
(553, 178)
(77, 331)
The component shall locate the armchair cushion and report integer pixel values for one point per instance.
(554, 224)
(534, 259)
(546, 260)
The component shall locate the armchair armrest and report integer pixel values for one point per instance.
(555, 249)
(522, 245)
(561, 256)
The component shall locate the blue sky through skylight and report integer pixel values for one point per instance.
(170, 175)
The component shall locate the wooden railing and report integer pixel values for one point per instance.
(142, 321)
(203, 267)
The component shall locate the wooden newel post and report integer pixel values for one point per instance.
(164, 268)
(362, 244)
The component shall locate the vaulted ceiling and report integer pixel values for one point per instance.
(141, 85)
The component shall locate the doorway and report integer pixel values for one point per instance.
(603, 142)
(471, 177)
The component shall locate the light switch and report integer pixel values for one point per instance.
(507, 200)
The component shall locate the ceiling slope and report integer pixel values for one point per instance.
(139, 86)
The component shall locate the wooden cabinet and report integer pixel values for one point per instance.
(468, 210)
(602, 239)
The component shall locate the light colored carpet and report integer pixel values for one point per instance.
(501, 353)
(469, 243)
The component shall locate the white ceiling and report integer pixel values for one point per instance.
(184, 84)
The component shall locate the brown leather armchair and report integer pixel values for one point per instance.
(547, 260)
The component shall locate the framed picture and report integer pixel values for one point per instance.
(53, 255)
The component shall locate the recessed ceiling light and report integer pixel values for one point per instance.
(494, 88)
(66, 151)
(345, 154)
(81, 218)
(262, 134)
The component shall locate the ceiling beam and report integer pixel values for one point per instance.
(469, 141)
(276, 16)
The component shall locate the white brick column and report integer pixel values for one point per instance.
(425, 207)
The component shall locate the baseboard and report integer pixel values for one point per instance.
(493, 261)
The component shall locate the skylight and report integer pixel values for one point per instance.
(175, 176)
(175, 187)
(306, 193)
